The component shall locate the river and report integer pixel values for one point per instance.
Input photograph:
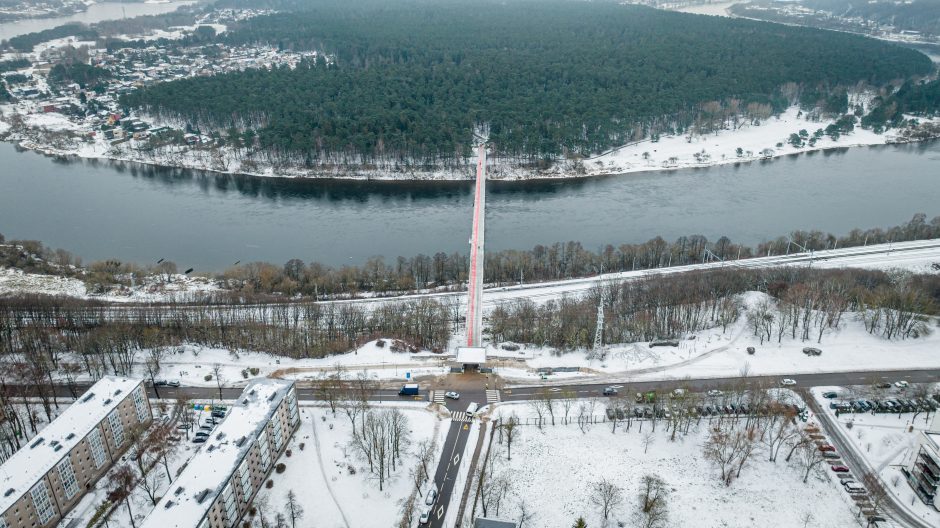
(102, 209)
(94, 13)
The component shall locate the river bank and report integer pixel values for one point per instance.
(750, 140)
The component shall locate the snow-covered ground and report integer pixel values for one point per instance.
(884, 440)
(713, 353)
(331, 494)
(757, 142)
(190, 365)
(179, 287)
(555, 484)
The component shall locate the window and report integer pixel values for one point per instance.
(97, 447)
(3, 522)
(245, 472)
(277, 432)
(265, 450)
(41, 502)
(292, 405)
(141, 405)
(67, 476)
(228, 499)
(117, 428)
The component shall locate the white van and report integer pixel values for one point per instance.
(472, 409)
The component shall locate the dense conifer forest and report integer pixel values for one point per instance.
(410, 82)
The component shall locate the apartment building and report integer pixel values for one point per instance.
(922, 465)
(217, 486)
(42, 481)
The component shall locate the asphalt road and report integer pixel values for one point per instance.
(802, 380)
(446, 475)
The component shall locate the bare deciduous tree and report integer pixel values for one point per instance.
(653, 497)
(606, 496)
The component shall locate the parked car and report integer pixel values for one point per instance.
(451, 395)
(840, 469)
(827, 448)
(812, 351)
(830, 395)
(901, 384)
(831, 455)
(159, 383)
(713, 393)
(206, 427)
(425, 517)
(430, 497)
(883, 385)
(200, 439)
(786, 382)
(610, 391)
(173, 383)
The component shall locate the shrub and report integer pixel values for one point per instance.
(280, 468)
(269, 484)
(254, 371)
(288, 453)
(207, 377)
(245, 373)
(301, 446)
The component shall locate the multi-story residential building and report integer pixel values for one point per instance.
(217, 485)
(922, 465)
(42, 481)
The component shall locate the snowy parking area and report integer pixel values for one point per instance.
(884, 440)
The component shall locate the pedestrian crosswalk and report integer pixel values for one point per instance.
(492, 396)
(437, 396)
(459, 416)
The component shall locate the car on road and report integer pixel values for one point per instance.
(840, 469)
(160, 383)
(425, 517)
(430, 497)
(610, 391)
(901, 384)
(714, 392)
(830, 395)
(786, 382)
(883, 385)
(451, 395)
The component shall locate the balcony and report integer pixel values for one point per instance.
(930, 461)
(924, 475)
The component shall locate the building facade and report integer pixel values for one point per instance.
(44, 480)
(922, 465)
(217, 486)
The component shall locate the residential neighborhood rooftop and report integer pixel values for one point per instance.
(193, 492)
(22, 470)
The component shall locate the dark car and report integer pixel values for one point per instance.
(830, 395)
(812, 351)
(610, 391)
(200, 439)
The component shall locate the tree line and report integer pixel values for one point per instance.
(251, 281)
(408, 84)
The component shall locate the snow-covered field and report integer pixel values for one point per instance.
(555, 484)
(884, 440)
(331, 495)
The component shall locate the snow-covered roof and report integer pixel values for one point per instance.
(193, 492)
(471, 355)
(22, 470)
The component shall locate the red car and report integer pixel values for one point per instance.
(840, 469)
(826, 447)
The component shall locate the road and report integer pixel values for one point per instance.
(446, 475)
(585, 390)
(859, 467)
